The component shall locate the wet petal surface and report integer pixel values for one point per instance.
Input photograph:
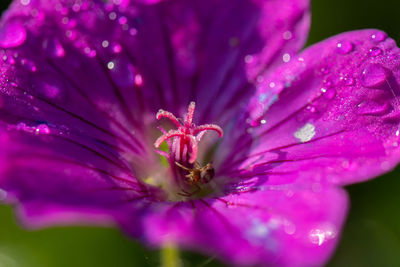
(335, 118)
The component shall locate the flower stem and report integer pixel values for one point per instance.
(170, 256)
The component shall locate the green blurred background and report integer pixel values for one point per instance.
(372, 233)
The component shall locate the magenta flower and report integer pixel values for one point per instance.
(83, 139)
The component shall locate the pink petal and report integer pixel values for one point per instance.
(288, 226)
(335, 118)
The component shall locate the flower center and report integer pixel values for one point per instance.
(183, 146)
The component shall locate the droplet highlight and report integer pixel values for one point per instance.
(374, 75)
(12, 34)
(375, 51)
(305, 133)
(344, 47)
(53, 47)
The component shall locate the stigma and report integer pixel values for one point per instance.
(184, 141)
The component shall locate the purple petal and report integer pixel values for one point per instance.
(288, 226)
(329, 115)
(202, 49)
(77, 87)
(58, 180)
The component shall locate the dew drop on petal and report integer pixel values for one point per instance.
(105, 44)
(25, 2)
(375, 51)
(344, 47)
(378, 36)
(12, 34)
(349, 81)
(42, 129)
(51, 90)
(53, 47)
(286, 57)
(110, 65)
(319, 236)
(138, 80)
(398, 130)
(116, 48)
(373, 108)
(374, 75)
(329, 93)
(305, 133)
(287, 35)
(28, 65)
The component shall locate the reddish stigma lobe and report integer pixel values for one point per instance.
(185, 138)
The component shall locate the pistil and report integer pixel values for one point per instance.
(184, 141)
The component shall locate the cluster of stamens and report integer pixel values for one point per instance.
(183, 148)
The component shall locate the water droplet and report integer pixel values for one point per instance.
(105, 44)
(90, 52)
(116, 48)
(138, 80)
(312, 108)
(327, 83)
(286, 57)
(112, 16)
(344, 47)
(378, 36)
(305, 133)
(12, 34)
(42, 129)
(349, 81)
(330, 93)
(374, 75)
(319, 236)
(324, 70)
(53, 47)
(375, 51)
(122, 20)
(373, 108)
(248, 59)
(110, 65)
(287, 35)
(50, 88)
(132, 31)
(28, 65)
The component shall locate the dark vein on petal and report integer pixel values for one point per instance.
(112, 119)
(251, 166)
(63, 137)
(238, 161)
(170, 57)
(77, 163)
(122, 167)
(86, 122)
(221, 217)
(138, 91)
(117, 93)
(134, 199)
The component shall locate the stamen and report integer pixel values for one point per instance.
(185, 137)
